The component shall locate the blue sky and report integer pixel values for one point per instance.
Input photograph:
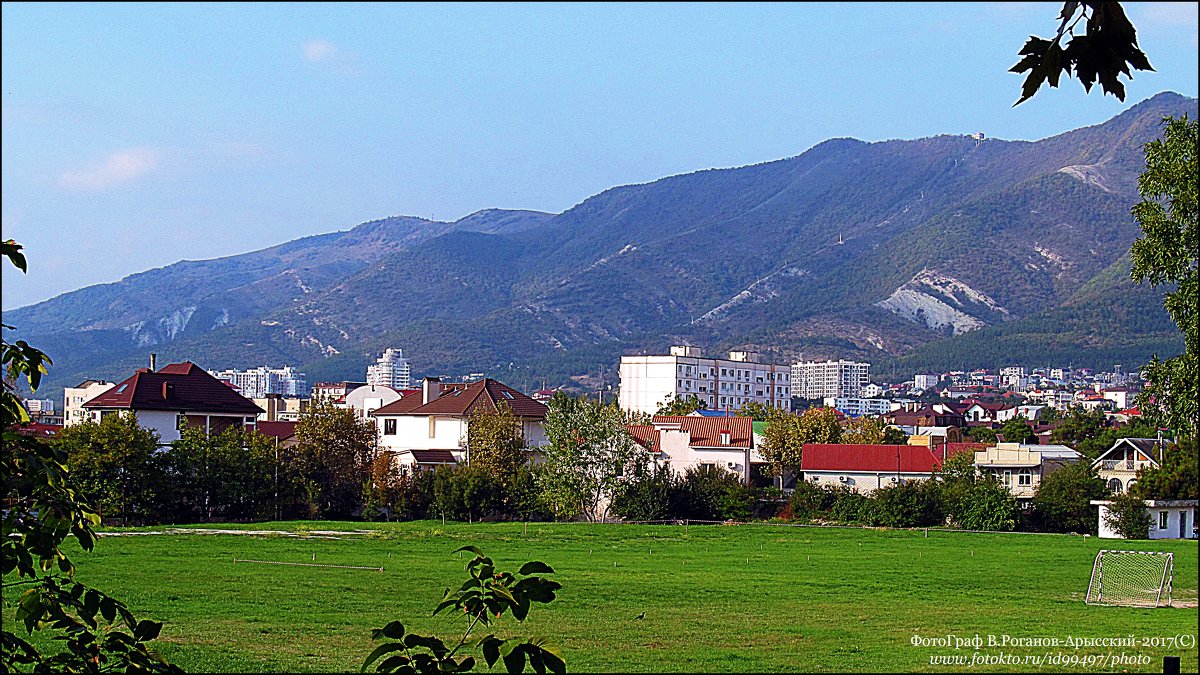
(138, 135)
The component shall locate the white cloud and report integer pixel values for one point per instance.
(317, 51)
(119, 168)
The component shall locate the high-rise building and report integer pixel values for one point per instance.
(721, 384)
(259, 382)
(822, 379)
(391, 370)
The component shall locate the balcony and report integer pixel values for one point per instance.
(1118, 465)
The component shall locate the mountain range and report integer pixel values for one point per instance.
(955, 251)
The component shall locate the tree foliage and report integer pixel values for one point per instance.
(114, 463)
(588, 457)
(1017, 430)
(759, 412)
(332, 458)
(863, 430)
(1106, 50)
(482, 600)
(1127, 516)
(1177, 478)
(495, 441)
(1167, 254)
(43, 507)
(1063, 499)
(233, 475)
(681, 405)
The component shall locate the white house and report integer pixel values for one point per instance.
(725, 443)
(1169, 518)
(431, 428)
(371, 397)
(1118, 465)
(178, 395)
(865, 468)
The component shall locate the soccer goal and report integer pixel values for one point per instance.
(1131, 579)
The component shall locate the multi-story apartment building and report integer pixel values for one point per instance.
(821, 379)
(391, 370)
(75, 397)
(260, 382)
(857, 407)
(925, 381)
(722, 384)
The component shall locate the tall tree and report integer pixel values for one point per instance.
(864, 430)
(1167, 254)
(1017, 430)
(114, 462)
(1063, 499)
(332, 458)
(233, 474)
(495, 442)
(1105, 50)
(786, 434)
(589, 457)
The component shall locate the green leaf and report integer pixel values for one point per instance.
(472, 549)
(380, 651)
(535, 567)
(147, 630)
(394, 630)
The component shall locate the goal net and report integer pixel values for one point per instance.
(1131, 578)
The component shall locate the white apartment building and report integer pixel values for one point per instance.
(821, 379)
(391, 370)
(925, 381)
(259, 382)
(75, 397)
(857, 407)
(722, 384)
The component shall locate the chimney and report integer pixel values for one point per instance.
(431, 388)
(725, 436)
(152, 360)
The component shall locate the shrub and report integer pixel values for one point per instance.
(652, 494)
(907, 504)
(466, 492)
(709, 493)
(987, 505)
(846, 505)
(1128, 517)
(1063, 499)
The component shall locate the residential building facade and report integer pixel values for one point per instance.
(263, 381)
(647, 382)
(75, 397)
(1118, 466)
(391, 370)
(821, 379)
(698, 442)
(1021, 468)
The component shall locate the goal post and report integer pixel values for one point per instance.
(1131, 579)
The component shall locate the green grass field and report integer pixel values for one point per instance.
(734, 599)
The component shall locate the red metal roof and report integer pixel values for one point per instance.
(645, 435)
(184, 387)
(706, 431)
(876, 458)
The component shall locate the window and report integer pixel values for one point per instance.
(1008, 478)
(1025, 477)
(1163, 518)
(432, 424)
(389, 427)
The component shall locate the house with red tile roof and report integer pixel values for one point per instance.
(725, 443)
(177, 395)
(429, 426)
(867, 467)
